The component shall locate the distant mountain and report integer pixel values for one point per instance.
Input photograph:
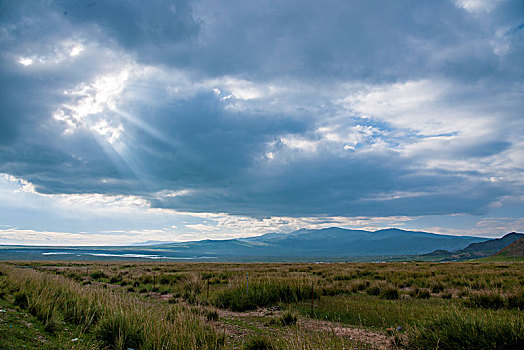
(479, 249)
(330, 244)
(146, 243)
(515, 249)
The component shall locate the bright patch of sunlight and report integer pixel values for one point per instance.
(89, 100)
(25, 61)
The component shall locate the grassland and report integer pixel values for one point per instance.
(121, 305)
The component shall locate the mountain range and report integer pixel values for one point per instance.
(329, 244)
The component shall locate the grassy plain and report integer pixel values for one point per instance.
(121, 305)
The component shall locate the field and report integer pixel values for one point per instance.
(122, 305)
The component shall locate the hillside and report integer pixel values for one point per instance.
(478, 249)
(515, 249)
(494, 245)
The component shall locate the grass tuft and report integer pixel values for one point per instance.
(288, 319)
(487, 301)
(258, 342)
(466, 332)
(389, 293)
(263, 293)
(98, 275)
(21, 300)
(420, 293)
(516, 301)
(119, 331)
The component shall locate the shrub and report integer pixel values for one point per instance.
(454, 331)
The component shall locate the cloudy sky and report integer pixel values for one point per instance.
(128, 121)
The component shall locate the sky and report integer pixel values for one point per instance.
(130, 121)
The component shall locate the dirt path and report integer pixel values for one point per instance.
(377, 340)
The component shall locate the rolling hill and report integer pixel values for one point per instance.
(514, 250)
(477, 250)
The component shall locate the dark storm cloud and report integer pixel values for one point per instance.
(229, 151)
(148, 28)
(341, 186)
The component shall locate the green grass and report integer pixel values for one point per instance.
(117, 321)
(486, 300)
(177, 305)
(371, 312)
(263, 293)
(258, 342)
(21, 330)
(457, 331)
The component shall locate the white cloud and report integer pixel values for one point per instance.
(415, 105)
(91, 100)
(476, 6)
(111, 133)
(54, 54)
(76, 50)
(25, 61)
(439, 94)
(179, 193)
(486, 227)
(295, 142)
(110, 238)
(16, 192)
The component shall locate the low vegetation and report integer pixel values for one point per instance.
(469, 331)
(265, 292)
(473, 305)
